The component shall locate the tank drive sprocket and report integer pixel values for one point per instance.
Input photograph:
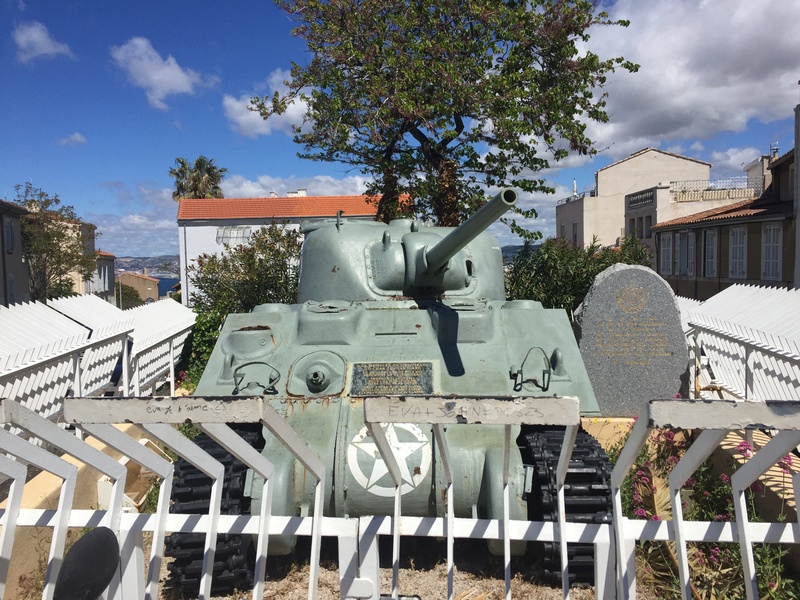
(587, 496)
(191, 492)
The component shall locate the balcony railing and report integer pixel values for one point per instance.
(715, 189)
(580, 196)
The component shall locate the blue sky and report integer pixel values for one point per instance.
(100, 98)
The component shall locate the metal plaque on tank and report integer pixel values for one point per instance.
(392, 379)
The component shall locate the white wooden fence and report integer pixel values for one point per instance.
(358, 559)
(72, 347)
(747, 339)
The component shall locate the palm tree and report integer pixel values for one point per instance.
(200, 180)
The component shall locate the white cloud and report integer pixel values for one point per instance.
(248, 123)
(159, 77)
(237, 186)
(706, 67)
(76, 139)
(34, 41)
(730, 162)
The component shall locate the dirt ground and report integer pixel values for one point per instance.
(478, 576)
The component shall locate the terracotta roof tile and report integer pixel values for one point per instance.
(747, 208)
(128, 274)
(305, 207)
(106, 254)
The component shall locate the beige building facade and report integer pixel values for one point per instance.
(601, 213)
(145, 286)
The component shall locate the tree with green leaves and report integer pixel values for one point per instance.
(444, 99)
(127, 296)
(265, 270)
(199, 180)
(55, 243)
(559, 273)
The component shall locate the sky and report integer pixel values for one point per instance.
(100, 98)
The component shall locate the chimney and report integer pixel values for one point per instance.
(272, 194)
(302, 192)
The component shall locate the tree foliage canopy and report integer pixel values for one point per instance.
(199, 180)
(54, 243)
(442, 99)
(265, 270)
(559, 274)
(127, 296)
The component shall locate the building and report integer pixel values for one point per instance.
(601, 211)
(755, 241)
(145, 286)
(749, 242)
(101, 282)
(14, 281)
(205, 226)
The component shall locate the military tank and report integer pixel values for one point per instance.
(396, 309)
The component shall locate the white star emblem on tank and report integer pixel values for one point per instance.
(411, 448)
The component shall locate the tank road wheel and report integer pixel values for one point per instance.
(587, 495)
(191, 493)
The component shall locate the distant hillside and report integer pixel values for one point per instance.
(509, 252)
(166, 265)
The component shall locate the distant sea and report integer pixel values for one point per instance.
(165, 285)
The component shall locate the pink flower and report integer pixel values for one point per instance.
(745, 448)
(785, 463)
(640, 512)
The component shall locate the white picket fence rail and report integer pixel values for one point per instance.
(749, 340)
(72, 346)
(357, 538)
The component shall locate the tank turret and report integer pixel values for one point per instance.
(359, 260)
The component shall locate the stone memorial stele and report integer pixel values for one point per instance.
(630, 337)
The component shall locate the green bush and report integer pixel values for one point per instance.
(265, 270)
(559, 274)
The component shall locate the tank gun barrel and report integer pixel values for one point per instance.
(438, 256)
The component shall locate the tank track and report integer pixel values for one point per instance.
(191, 492)
(587, 495)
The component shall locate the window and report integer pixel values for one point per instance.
(575, 232)
(631, 226)
(233, 235)
(665, 267)
(771, 247)
(563, 231)
(685, 251)
(648, 223)
(738, 247)
(710, 253)
(640, 227)
(10, 295)
(9, 236)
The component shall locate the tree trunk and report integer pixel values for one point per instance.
(390, 197)
(445, 203)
